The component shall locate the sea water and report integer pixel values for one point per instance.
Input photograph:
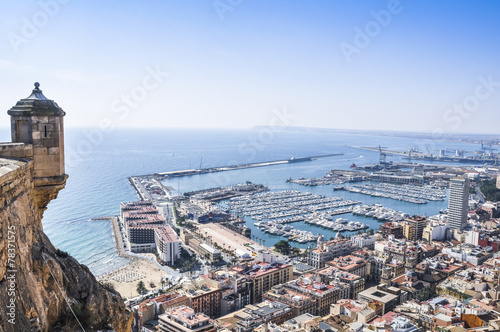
(98, 166)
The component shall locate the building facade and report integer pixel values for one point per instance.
(414, 227)
(263, 276)
(326, 251)
(351, 264)
(184, 319)
(458, 203)
(436, 231)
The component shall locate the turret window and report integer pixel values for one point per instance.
(45, 131)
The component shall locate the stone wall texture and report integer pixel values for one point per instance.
(36, 269)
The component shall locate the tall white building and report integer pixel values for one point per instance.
(458, 203)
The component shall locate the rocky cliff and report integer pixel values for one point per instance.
(39, 283)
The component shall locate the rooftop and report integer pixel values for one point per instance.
(260, 269)
(166, 233)
(347, 263)
(186, 315)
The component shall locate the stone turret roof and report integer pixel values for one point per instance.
(36, 104)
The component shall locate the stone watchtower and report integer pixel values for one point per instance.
(37, 130)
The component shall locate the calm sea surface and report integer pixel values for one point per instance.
(99, 164)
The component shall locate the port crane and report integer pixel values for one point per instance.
(488, 147)
(383, 156)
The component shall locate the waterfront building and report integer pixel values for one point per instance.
(145, 207)
(141, 238)
(168, 245)
(146, 231)
(326, 251)
(155, 238)
(414, 227)
(458, 203)
(399, 177)
(185, 319)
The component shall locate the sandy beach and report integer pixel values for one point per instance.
(125, 279)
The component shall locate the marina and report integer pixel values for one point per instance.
(288, 231)
(339, 225)
(274, 210)
(286, 206)
(379, 212)
(143, 157)
(406, 192)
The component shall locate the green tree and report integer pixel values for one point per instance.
(141, 288)
(490, 190)
(283, 247)
(295, 251)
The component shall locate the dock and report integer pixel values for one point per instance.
(377, 149)
(412, 154)
(190, 172)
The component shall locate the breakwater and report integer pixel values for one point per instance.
(189, 172)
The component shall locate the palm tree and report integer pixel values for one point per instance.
(141, 288)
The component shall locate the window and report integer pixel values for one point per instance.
(45, 131)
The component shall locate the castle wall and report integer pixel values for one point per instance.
(38, 303)
(16, 150)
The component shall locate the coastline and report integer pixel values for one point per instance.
(125, 278)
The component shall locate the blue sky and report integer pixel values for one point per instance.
(409, 65)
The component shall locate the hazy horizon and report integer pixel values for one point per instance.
(415, 66)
